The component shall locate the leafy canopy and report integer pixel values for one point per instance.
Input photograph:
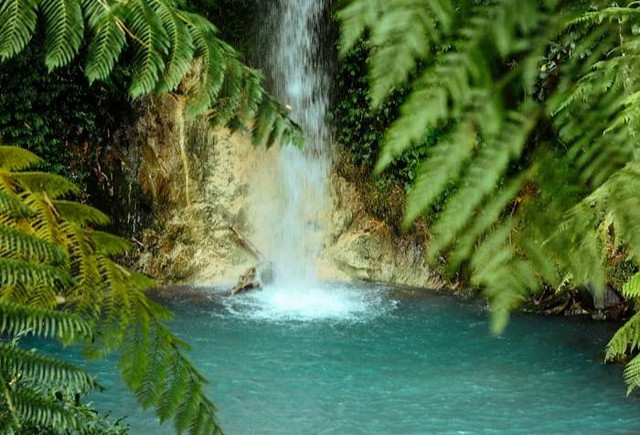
(536, 107)
(160, 42)
(58, 281)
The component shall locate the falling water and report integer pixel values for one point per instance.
(292, 196)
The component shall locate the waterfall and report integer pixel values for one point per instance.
(290, 187)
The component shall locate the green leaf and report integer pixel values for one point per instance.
(150, 44)
(64, 31)
(17, 24)
(14, 158)
(80, 213)
(181, 52)
(107, 42)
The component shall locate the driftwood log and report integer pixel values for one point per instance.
(247, 281)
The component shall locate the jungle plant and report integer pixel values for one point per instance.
(58, 281)
(160, 41)
(536, 105)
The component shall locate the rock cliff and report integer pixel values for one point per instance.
(202, 180)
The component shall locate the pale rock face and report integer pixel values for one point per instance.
(211, 236)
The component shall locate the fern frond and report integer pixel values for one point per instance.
(108, 244)
(11, 205)
(404, 34)
(487, 216)
(18, 272)
(64, 28)
(31, 407)
(481, 178)
(213, 63)
(108, 39)
(81, 214)
(14, 158)
(17, 319)
(631, 288)
(17, 24)
(150, 43)
(444, 164)
(230, 95)
(427, 107)
(355, 17)
(19, 245)
(632, 374)
(177, 392)
(181, 50)
(55, 186)
(42, 369)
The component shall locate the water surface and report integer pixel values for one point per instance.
(378, 363)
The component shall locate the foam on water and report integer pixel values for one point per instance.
(311, 303)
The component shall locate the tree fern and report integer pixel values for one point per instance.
(210, 52)
(108, 39)
(181, 45)
(536, 107)
(52, 258)
(17, 25)
(64, 27)
(151, 45)
(164, 41)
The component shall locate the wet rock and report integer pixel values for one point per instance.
(248, 281)
(203, 183)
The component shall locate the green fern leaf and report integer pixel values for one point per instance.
(43, 369)
(181, 52)
(403, 35)
(17, 319)
(30, 406)
(444, 164)
(17, 24)
(11, 206)
(481, 178)
(213, 63)
(19, 245)
(55, 186)
(80, 213)
(18, 272)
(632, 374)
(108, 244)
(425, 108)
(487, 216)
(150, 43)
(108, 39)
(64, 28)
(355, 17)
(14, 158)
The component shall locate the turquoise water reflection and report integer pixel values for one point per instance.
(424, 365)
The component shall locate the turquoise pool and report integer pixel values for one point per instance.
(349, 360)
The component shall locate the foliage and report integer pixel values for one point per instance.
(59, 282)
(45, 393)
(535, 104)
(58, 115)
(160, 41)
(234, 18)
(360, 130)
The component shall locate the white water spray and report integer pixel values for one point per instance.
(289, 186)
(291, 198)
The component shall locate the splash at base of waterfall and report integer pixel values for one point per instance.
(314, 302)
